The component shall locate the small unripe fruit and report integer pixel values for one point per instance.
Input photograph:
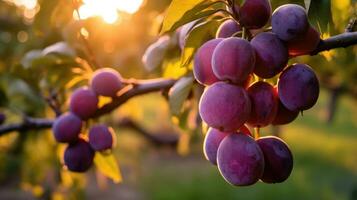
(78, 157)
(240, 160)
(83, 103)
(106, 82)
(101, 137)
(264, 104)
(271, 55)
(290, 21)
(278, 159)
(225, 107)
(254, 14)
(233, 60)
(298, 87)
(202, 68)
(228, 29)
(67, 127)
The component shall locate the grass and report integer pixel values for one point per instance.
(325, 165)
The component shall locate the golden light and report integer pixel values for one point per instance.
(108, 9)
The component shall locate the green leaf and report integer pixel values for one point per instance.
(107, 165)
(182, 12)
(172, 68)
(179, 93)
(320, 15)
(198, 35)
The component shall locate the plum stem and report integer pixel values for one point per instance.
(257, 133)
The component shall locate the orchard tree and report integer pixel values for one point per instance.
(233, 64)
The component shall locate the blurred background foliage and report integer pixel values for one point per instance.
(44, 51)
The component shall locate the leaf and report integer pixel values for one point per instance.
(172, 68)
(198, 35)
(181, 12)
(320, 15)
(107, 165)
(179, 93)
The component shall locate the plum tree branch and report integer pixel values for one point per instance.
(338, 41)
(136, 88)
(140, 87)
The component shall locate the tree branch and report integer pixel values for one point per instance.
(338, 41)
(27, 124)
(140, 87)
(137, 87)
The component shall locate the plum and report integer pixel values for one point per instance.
(254, 14)
(284, 115)
(290, 21)
(83, 103)
(271, 55)
(228, 28)
(202, 68)
(240, 160)
(304, 44)
(106, 82)
(101, 137)
(233, 60)
(78, 157)
(214, 137)
(264, 104)
(298, 87)
(224, 106)
(67, 128)
(278, 159)
(210, 145)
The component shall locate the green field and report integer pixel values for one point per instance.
(325, 164)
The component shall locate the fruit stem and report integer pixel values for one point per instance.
(244, 33)
(257, 133)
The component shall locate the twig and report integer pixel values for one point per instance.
(157, 138)
(141, 87)
(338, 41)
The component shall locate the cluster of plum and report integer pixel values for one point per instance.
(229, 65)
(67, 128)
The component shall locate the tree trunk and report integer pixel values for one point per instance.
(332, 104)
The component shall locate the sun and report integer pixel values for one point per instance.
(108, 9)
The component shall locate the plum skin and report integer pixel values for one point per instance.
(224, 106)
(228, 28)
(240, 160)
(254, 14)
(106, 82)
(211, 143)
(264, 104)
(278, 159)
(271, 55)
(233, 60)
(212, 140)
(305, 44)
(202, 68)
(67, 127)
(283, 115)
(83, 103)
(101, 137)
(298, 87)
(78, 157)
(289, 21)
